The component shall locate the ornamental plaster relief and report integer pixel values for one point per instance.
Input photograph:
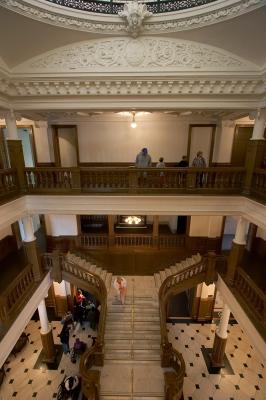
(98, 23)
(145, 54)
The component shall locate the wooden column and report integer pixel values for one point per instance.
(237, 249)
(16, 159)
(33, 257)
(155, 231)
(220, 339)
(254, 157)
(111, 230)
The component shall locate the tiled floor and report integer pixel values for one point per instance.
(22, 382)
(249, 379)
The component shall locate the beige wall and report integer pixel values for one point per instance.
(57, 225)
(108, 137)
(209, 226)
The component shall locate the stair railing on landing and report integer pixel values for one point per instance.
(62, 268)
(203, 271)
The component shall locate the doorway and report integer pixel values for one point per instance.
(25, 134)
(242, 136)
(65, 141)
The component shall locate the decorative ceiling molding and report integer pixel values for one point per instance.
(141, 55)
(255, 88)
(54, 14)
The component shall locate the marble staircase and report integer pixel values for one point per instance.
(160, 276)
(132, 345)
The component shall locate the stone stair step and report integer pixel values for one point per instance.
(173, 269)
(153, 335)
(162, 275)
(168, 272)
(108, 280)
(157, 280)
(103, 274)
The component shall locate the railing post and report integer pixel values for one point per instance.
(16, 158)
(133, 180)
(211, 271)
(76, 181)
(254, 156)
(155, 231)
(191, 180)
(56, 272)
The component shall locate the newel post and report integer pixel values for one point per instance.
(56, 272)
(211, 270)
(76, 179)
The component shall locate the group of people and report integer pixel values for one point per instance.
(84, 310)
(143, 160)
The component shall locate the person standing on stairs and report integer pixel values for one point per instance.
(120, 284)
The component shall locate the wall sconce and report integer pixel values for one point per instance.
(133, 122)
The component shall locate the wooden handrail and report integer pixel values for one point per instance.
(131, 179)
(254, 297)
(12, 296)
(8, 182)
(204, 270)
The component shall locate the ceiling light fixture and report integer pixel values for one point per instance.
(133, 122)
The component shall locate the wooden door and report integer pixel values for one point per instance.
(240, 143)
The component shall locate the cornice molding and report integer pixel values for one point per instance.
(134, 87)
(218, 11)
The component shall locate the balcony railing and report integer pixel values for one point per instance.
(13, 296)
(131, 180)
(8, 183)
(259, 183)
(252, 295)
(134, 180)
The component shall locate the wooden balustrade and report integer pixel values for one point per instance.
(101, 179)
(171, 241)
(50, 180)
(134, 180)
(253, 296)
(131, 240)
(11, 298)
(8, 183)
(92, 241)
(259, 183)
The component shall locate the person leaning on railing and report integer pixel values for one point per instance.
(199, 162)
(143, 160)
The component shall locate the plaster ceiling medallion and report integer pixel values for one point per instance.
(145, 54)
(69, 17)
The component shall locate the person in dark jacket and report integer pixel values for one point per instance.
(183, 163)
(64, 338)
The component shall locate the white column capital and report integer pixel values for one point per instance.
(41, 124)
(45, 328)
(28, 229)
(11, 125)
(259, 125)
(241, 228)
